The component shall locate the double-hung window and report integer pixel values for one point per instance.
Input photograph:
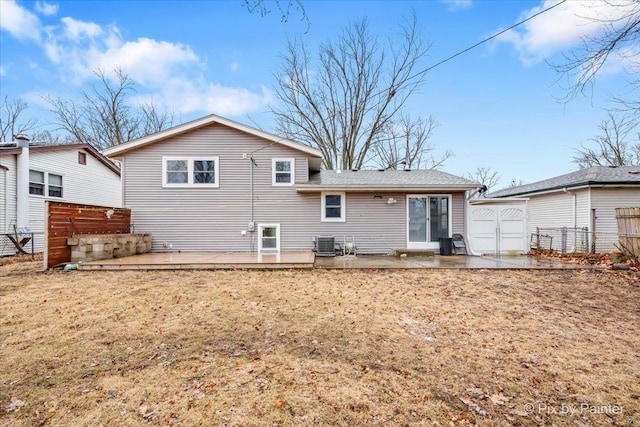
(282, 172)
(190, 172)
(333, 207)
(45, 184)
(36, 183)
(55, 185)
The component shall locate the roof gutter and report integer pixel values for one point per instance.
(575, 186)
(311, 188)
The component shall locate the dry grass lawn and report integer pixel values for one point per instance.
(316, 348)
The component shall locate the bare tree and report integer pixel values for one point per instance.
(11, 122)
(105, 116)
(347, 102)
(620, 37)
(406, 143)
(285, 7)
(612, 147)
(485, 176)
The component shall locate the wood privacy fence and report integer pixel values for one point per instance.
(629, 230)
(63, 220)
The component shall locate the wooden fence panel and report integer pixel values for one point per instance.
(66, 219)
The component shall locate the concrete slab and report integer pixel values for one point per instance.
(456, 261)
(307, 259)
(204, 260)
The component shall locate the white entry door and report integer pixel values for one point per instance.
(428, 219)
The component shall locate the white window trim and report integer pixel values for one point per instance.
(273, 172)
(46, 185)
(190, 160)
(343, 206)
(262, 227)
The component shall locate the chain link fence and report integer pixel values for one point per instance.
(21, 243)
(576, 240)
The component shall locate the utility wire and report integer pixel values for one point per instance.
(487, 39)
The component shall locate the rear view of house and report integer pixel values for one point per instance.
(31, 174)
(217, 185)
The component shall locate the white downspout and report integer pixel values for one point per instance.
(575, 215)
(5, 189)
(22, 183)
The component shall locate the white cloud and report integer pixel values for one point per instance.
(74, 29)
(458, 4)
(19, 22)
(46, 9)
(192, 96)
(561, 27)
(234, 66)
(169, 72)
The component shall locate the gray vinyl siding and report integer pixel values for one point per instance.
(214, 219)
(211, 219)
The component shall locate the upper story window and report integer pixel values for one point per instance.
(44, 183)
(55, 185)
(36, 183)
(333, 207)
(82, 158)
(283, 172)
(190, 172)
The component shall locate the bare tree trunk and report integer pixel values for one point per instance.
(347, 103)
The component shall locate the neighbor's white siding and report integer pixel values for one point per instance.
(93, 183)
(604, 201)
(556, 210)
(8, 197)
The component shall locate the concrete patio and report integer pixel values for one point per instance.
(437, 261)
(307, 259)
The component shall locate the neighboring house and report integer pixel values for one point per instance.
(584, 198)
(217, 185)
(31, 174)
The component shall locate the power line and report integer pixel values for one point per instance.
(488, 38)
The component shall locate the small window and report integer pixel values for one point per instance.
(333, 207)
(269, 238)
(36, 183)
(283, 172)
(190, 172)
(55, 185)
(82, 158)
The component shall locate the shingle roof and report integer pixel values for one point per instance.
(119, 150)
(9, 148)
(597, 175)
(387, 179)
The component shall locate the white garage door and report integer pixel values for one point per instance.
(498, 227)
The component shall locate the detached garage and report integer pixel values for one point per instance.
(498, 226)
(579, 207)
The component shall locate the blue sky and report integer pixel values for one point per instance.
(497, 105)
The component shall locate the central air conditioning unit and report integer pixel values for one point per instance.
(326, 246)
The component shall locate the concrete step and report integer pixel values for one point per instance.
(413, 252)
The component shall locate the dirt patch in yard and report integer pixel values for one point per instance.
(321, 347)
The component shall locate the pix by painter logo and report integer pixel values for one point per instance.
(565, 409)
